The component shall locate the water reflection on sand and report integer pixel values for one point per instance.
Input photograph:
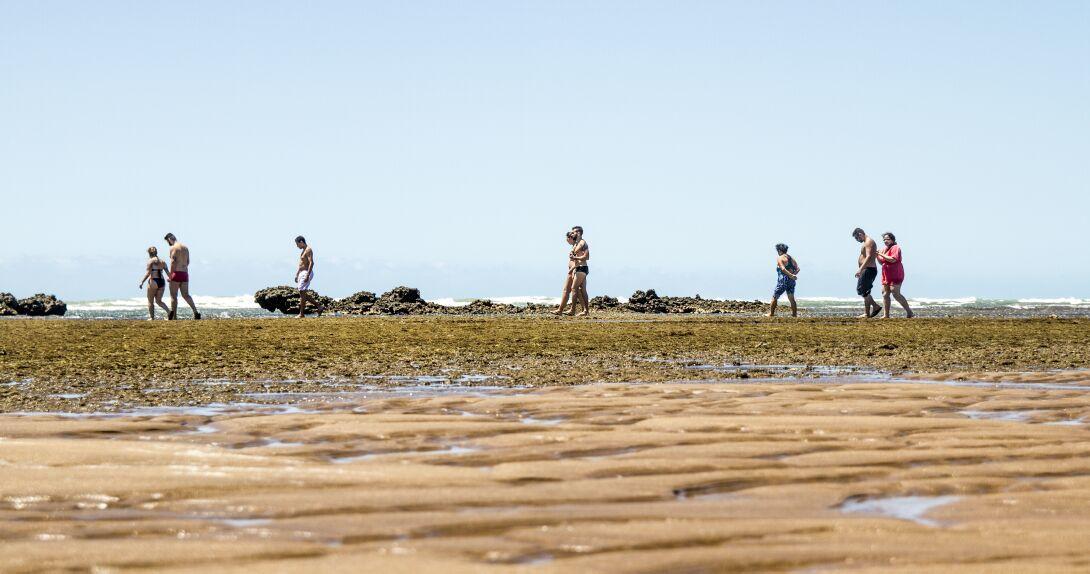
(747, 475)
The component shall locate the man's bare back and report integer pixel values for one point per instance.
(179, 257)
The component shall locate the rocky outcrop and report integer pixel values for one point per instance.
(650, 302)
(9, 305)
(285, 299)
(408, 301)
(357, 304)
(405, 301)
(646, 302)
(604, 302)
(38, 305)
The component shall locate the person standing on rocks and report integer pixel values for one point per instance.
(787, 272)
(866, 273)
(580, 254)
(893, 273)
(179, 276)
(153, 274)
(304, 275)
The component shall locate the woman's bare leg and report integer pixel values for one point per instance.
(794, 307)
(772, 306)
(900, 299)
(159, 299)
(151, 300)
(885, 300)
(564, 295)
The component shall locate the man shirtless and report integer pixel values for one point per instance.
(867, 272)
(179, 276)
(304, 275)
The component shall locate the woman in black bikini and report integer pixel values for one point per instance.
(156, 285)
(570, 236)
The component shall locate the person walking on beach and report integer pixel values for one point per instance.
(580, 254)
(568, 279)
(304, 275)
(153, 274)
(179, 276)
(893, 274)
(787, 272)
(866, 274)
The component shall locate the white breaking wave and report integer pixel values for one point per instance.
(138, 303)
(1068, 301)
(516, 300)
(956, 302)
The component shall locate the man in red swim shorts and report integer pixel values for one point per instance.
(893, 273)
(179, 276)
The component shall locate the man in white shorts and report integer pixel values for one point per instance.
(304, 275)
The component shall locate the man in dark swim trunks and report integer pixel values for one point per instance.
(580, 254)
(179, 276)
(867, 273)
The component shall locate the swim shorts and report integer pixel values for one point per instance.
(179, 277)
(784, 284)
(866, 281)
(304, 278)
(583, 269)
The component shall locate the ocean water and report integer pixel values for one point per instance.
(244, 306)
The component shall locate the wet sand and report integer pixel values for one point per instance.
(791, 476)
(49, 365)
(509, 444)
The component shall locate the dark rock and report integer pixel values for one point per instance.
(403, 294)
(646, 302)
(41, 305)
(405, 301)
(9, 305)
(650, 302)
(486, 307)
(285, 299)
(356, 304)
(604, 302)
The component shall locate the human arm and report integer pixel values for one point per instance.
(892, 255)
(580, 253)
(781, 262)
(147, 274)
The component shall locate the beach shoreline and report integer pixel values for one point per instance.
(86, 366)
(622, 444)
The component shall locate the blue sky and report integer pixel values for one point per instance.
(449, 145)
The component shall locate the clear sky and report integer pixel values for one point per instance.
(449, 145)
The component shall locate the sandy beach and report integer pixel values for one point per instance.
(514, 444)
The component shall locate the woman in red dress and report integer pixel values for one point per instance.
(893, 273)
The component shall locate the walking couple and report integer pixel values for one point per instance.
(177, 273)
(575, 284)
(893, 273)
